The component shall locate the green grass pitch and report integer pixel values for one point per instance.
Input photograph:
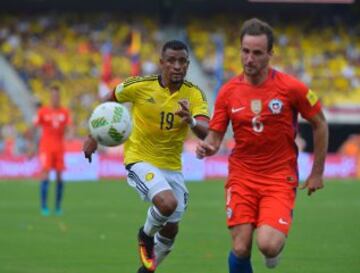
(97, 233)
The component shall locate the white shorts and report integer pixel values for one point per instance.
(149, 180)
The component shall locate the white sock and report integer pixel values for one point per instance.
(154, 221)
(163, 247)
(272, 262)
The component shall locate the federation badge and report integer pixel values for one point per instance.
(149, 176)
(275, 106)
(229, 212)
(256, 106)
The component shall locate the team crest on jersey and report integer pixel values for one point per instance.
(275, 106)
(229, 212)
(256, 106)
(149, 176)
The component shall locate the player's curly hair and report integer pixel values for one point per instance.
(255, 27)
(175, 45)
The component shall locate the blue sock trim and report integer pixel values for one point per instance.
(44, 187)
(239, 264)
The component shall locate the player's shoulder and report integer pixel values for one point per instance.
(231, 84)
(140, 80)
(287, 81)
(196, 88)
(42, 110)
(65, 110)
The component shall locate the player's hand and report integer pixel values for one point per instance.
(313, 183)
(89, 147)
(204, 149)
(184, 111)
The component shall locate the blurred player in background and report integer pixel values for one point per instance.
(163, 108)
(53, 121)
(262, 105)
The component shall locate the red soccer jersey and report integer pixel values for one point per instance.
(264, 122)
(53, 122)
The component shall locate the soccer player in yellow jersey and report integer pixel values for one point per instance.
(163, 108)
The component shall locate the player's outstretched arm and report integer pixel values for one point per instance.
(89, 147)
(199, 127)
(321, 138)
(90, 144)
(210, 145)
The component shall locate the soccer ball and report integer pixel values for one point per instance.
(110, 124)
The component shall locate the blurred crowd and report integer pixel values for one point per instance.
(87, 55)
(326, 56)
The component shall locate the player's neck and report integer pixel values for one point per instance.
(55, 106)
(257, 79)
(173, 87)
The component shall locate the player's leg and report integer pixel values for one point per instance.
(59, 193)
(152, 186)
(164, 241)
(275, 219)
(241, 210)
(45, 161)
(270, 242)
(59, 166)
(239, 256)
(165, 238)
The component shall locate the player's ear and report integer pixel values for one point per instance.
(161, 61)
(271, 52)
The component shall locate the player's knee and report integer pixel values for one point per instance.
(241, 250)
(270, 248)
(166, 204)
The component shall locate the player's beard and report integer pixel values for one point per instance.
(251, 70)
(176, 79)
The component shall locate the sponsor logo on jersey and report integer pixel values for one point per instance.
(235, 110)
(256, 106)
(275, 106)
(283, 222)
(151, 100)
(149, 176)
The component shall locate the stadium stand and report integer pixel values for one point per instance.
(326, 57)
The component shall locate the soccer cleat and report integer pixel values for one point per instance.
(58, 212)
(144, 270)
(146, 251)
(45, 212)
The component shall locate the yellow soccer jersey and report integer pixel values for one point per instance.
(158, 134)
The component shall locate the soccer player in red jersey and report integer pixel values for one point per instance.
(262, 105)
(53, 121)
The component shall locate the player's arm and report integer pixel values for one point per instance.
(90, 144)
(320, 136)
(210, 145)
(32, 135)
(119, 94)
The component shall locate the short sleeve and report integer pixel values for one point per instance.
(199, 105)
(125, 92)
(220, 119)
(306, 101)
(68, 118)
(37, 117)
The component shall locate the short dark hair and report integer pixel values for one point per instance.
(55, 87)
(256, 27)
(175, 45)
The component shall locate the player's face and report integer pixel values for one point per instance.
(55, 97)
(255, 56)
(174, 65)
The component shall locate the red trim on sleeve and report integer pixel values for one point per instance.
(202, 118)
